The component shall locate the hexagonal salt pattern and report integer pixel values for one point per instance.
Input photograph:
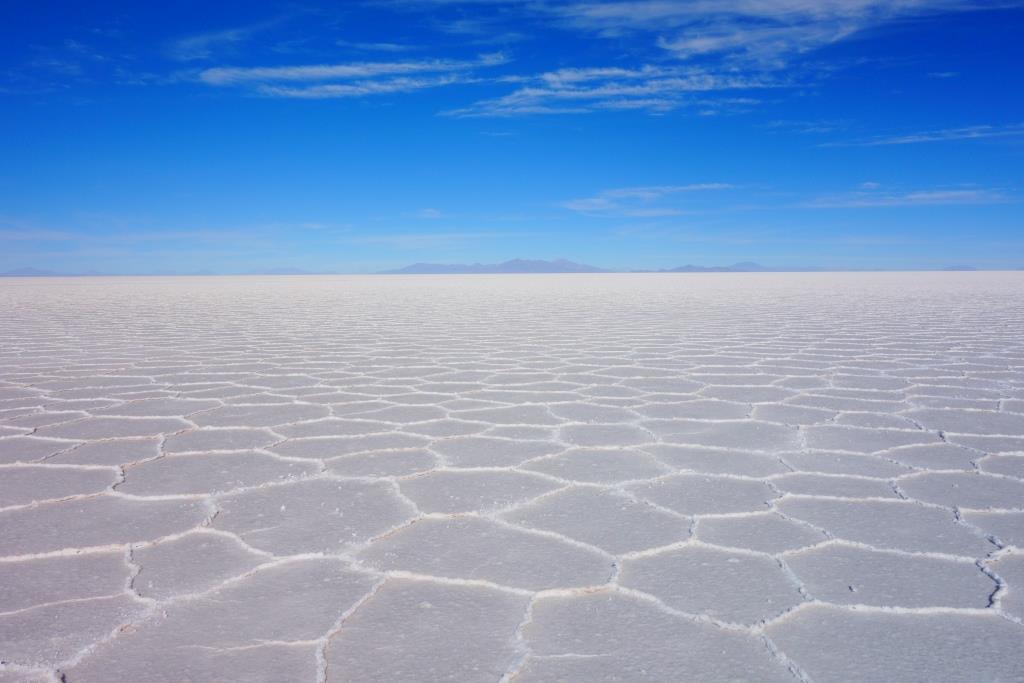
(532, 478)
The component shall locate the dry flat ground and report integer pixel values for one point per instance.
(765, 477)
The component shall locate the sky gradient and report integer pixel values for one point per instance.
(237, 136)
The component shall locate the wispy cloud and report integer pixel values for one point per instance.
(58, 66)
(942, 135)
(480, 30)
(347, 71)
(124, 230)
(638, 202)
(654, 89)
(376, 47)
(201, 46)
(43, 235)
(764, 32)
(418, 240)
(808, 127)
(725, 45)
(34, 235)
(871, 197)
(352, 79)
(360, 88)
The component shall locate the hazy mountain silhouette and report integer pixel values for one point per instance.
(742, 267)
(513, 266)
(279, 271)
(29, 272)
(39, 272)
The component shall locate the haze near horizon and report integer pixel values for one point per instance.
(265, 136)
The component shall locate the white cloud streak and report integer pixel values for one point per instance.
(764, 32)
(934, 197)
(348, 71)
(352, 79)
(427, 240)
(376, 47)
(360, 88)
(637, 202)
(724, 49)
(729, 45)
(649, 88)
(944, 135)
(204, 45)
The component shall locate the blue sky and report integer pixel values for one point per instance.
(356, 136)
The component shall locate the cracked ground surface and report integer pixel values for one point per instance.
(514, 478)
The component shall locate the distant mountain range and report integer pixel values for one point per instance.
(282, 271)
(513, 266)
(563, 266)
(742, 267)
(38, 272)
(29, 272)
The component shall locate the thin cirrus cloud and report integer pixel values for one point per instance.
(760, 31)
(654, 89)
(872, 199)
(351, 79)
(376, 47)
(361, 88)
(201, 46)
(737, 45)
(638, 202)
(665, 200)
(944, 135)
(725, 49)
(766, 33)
(419, 240)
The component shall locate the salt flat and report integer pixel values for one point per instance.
(766, 477)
